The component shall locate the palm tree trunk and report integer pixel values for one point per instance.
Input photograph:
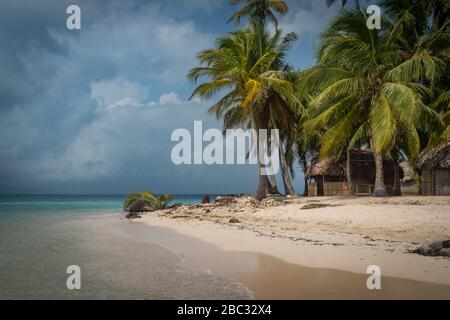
(380, 188)
(272, 184)
(306, 191)
(349, 174)
(261, 189)
(397, 191)
(358, 7)
(305, 168)
(286, 175)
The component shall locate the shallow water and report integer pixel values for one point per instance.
(41, 236)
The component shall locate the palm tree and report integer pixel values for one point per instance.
(428, 35)
(249, 74)
(259, 11)
(364, 91)
(344, 2)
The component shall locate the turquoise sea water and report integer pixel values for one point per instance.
(40, 236)
(64, 204)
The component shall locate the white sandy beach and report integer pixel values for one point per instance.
(347, 234)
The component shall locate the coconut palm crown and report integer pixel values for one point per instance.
(259, 11)
(365, 93)
(246, 66)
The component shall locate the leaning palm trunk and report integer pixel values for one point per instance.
(271, 185)
(286, 175)
(272, 182)
(380, 188)
(261, 190)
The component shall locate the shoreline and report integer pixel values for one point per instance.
(346, 234)
(266, 276)
(343, 258)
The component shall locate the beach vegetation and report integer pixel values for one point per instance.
(146, 201)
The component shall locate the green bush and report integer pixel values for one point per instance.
(152, 202)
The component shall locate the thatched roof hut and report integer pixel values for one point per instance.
(328, 176)
(329, 167)
(436, 158)
(326, 167)
(435, 167)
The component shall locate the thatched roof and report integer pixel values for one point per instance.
(329, 167)
(436, 158)
(326, 167)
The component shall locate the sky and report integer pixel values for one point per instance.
(91, 111)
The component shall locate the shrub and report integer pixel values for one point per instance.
(146, 201)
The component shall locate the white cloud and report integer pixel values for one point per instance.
(113, 93)
(171, 97)
(126, 126)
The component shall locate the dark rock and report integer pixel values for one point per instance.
(138, 206)
(434, 249)
(445, 252)
(234, 220)
(206, 199)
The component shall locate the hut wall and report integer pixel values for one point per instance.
(363, 177)
(332, 189)
(442, 182)
(328, 186)
(427, 183)
(312, 190)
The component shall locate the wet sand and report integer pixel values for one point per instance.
(266, 276)
(35, 253)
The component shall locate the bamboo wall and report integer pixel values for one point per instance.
(331, 189)
(436, 182)
(312, 190)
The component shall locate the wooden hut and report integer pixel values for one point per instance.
(328, 177)
(434, 165)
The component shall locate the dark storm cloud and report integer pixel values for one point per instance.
(92, 111)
